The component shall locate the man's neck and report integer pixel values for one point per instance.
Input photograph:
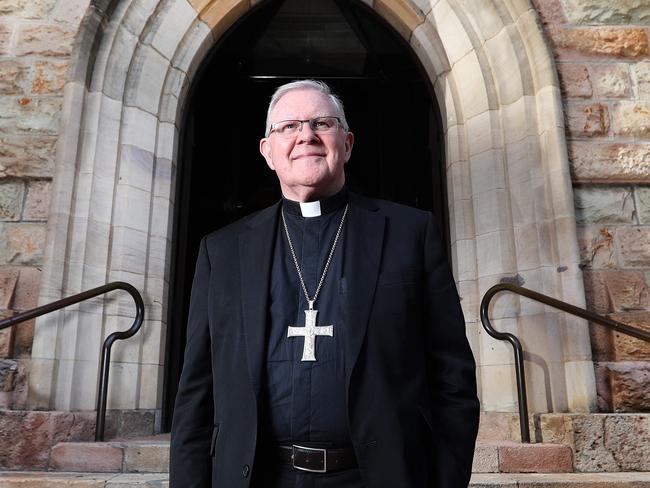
(305, 195)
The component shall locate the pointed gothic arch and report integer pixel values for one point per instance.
(509, 189)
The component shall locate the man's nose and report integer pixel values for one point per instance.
(306, 133)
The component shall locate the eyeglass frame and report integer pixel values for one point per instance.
(338, 120)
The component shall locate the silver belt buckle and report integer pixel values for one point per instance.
(315, 449)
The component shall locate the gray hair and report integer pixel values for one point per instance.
(318, 86)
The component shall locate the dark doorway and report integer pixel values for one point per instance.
(390, 106)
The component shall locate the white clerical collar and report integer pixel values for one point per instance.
(317, 208)
(310, 209)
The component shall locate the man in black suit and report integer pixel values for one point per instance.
(326, 344)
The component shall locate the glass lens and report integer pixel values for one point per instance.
(323, 124)
(287, 127)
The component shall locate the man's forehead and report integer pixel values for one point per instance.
(301, 100)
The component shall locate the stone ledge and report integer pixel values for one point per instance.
(513, 457)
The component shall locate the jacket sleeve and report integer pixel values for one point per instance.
(192, 425)
(451, 371)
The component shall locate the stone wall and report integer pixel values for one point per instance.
(36, 39)
(603, 60)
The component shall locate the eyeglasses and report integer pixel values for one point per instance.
(320, 125)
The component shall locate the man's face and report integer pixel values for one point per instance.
(309, 165)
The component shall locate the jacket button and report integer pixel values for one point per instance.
(245, 470)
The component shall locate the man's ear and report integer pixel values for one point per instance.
(265, 150)
(349, 142)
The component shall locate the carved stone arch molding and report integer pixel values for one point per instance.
(510, 196)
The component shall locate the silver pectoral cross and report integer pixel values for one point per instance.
(310, 331)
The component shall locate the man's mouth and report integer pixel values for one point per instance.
(308, 155)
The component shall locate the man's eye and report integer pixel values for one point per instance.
(288, 126)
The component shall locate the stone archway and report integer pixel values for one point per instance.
(510, 197)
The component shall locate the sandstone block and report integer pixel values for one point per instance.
(612, 80)
(596, 294)
(44, 40)
(535, 458)
(23, 340)
(587, 120)
(499, 426)
(8, 282)
(609, 162)
(5, 38)
(22, 156)
(26, 291)
(550, 11)
(486, 459)
(643, 203)
(21, 243)
(8, 369)
(39, 115)
(589, 450)
(146, 458)
(632, 119)
(627, 290)
(603, 387)
(70, 12)
(602, 344)
(606, 12)
(49, 76)
(641, 73)
(574, 43)
(91, 457)
(34, 9)
(634, 246)
(11, 199)
(596, 246)
(574, 80)
(13, 77)
(630, 385)
(628, 348)
(6, 338)
(595, 204)
(37, 203)
(628, 438)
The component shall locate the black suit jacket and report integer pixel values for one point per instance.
(411, 387)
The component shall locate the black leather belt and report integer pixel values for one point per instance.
(316, 460)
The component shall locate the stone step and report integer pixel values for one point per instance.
(152, 456)
(17, 479)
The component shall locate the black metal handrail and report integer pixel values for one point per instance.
(108, 342)
(518, 349)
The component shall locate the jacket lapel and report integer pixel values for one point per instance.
(362, 259)
(255, 255)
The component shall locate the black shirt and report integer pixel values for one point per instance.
(305, 400)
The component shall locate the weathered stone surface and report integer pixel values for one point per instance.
(8, 369)
(535, 458)
(550, 11)
(11, 199)
(134, 423)
(13, 77)
(596, 294)
(598, 42)
(643, 203)
(627, 290)
(33, 9)
(634, 246)
(80, 457)
(70, 11)
(8, 281)
(49, 76)
(596, 246)
(44, 40)
(5, 38)
(6, 337)
(632, 119)
(602, 343)
(603, 387)
(23, 339)
(486, 459)
(21, 243)
(589, 451)
(641, 73)
(628, 348)
(39, 115)
(146, 458)
(628, 438)
(574, 80)
(630, 385)
(587, 120)
(27, 156)
(26, 292)
(498, 426)
(603, 205)
(37, 203)
(612, 80)
(609, 162)
(607, 12)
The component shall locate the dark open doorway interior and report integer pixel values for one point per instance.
(398, 153)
